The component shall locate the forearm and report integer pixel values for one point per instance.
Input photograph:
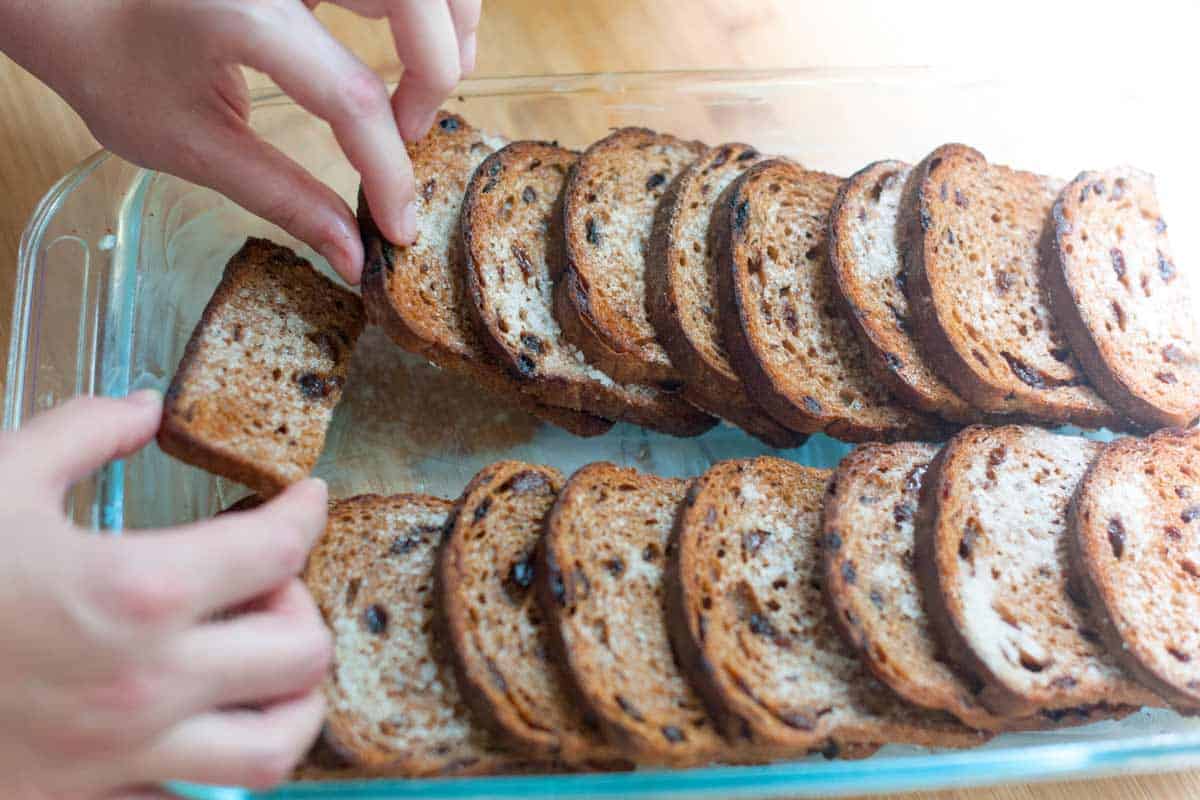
(43, 36)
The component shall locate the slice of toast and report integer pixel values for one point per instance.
(498, 638)
(751, 627)
(1135, 540)
(416, 293)
(991, 533)
(608, 212)
(971, 233)
(600, 585)
(786, 339)
(681, 293)
(394, 707)
(1128, 313)
(869, 282)
(264, 368)
(511, 228)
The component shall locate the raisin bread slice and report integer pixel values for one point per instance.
(681, 293)
(869, 282)
(751, 627)
(608, 212)
(511, 227)
(600, 584)
(1128, 313)
(786, 339)
(971, 233)
(991, 554)
(263, 370)
(416, 293)
(394, 707)
(497, 633)
(1135, 537)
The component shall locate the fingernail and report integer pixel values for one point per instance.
(317, 485)
(146, 397)
(469, 48)
(408, 224)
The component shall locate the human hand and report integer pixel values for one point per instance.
(159, 83)
(118, 669)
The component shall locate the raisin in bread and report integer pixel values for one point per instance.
(511, 227)
(393, 705)
(601, 586)
(497, 634)
(1135, 536)
(971, 233)
(681, 293)
(869, 281)
(416, 293)
(1128, 313)
(991, 559)
(751, 627)
(264, 368)
(608, 212)
(785, 337)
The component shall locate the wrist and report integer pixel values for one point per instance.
(42, 36)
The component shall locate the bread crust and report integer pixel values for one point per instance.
(511, 234)
(612, 329)
(203, 428)
(785, 388)
(681, 294)
(927, 223)
(1076, 281)
(1095, 543)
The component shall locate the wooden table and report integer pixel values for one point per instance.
(41, 138)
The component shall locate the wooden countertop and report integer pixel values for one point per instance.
(41, 138)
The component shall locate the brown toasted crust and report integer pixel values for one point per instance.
(1168, 453)
(938, 544)
(213, 423)
(892, 354)
(416, 293)
(664, 723)
(785, 388)
(512, 242)
(1078, 283)
(608, 323)
(926, 221)
(739, 673)
(484, 578)
(681, 294)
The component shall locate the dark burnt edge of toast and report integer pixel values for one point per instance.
(1143, 416)
(177, 440)
(703, 386)
(728, 222)
(668, 413)
(1088, 582)
(572, 303)
(883, 365)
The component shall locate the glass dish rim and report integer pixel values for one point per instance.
(1052, 760)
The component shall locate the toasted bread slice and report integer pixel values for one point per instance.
(608, 212)
(498, 638)
(1128, 313)
(991, 554)
(394, 707)
(971, 233)
(751, 627)
(416, 293)
(265, 366)
(600, 585)
(868, 280)
(511, 228)
(1135, 540)
(786, 339)
(681, 297)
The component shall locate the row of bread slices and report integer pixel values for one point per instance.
(666, 283)
(1016, 580)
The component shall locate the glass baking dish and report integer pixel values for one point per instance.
(117, 263)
